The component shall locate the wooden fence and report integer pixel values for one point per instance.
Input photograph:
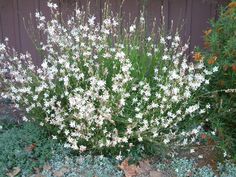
(195, 14)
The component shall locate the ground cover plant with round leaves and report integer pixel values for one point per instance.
(107, 90)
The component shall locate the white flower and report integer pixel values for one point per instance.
(82, 148)
(140, 139)
(129, 131)
(25, 119)
(177, 38)
(169, 37)
(149, 54)
(164, 69)
(166, 140)
(66, 81)
(72, 124)
(54, 137)
(200, 156)
(215, 69)
(162, 40)
(165, 57)
(52, 5)
(132, 28)
(187, 93)
(225, 154)
(119, 157)
(139, 116)
(208, 106)
(91, 20)
(37, 14)
(115, 23)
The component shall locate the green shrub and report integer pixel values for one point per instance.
(220, 50)
(104, 90)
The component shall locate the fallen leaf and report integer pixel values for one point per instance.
(47, 167)
(156, 174)
(37, 172)
(61, 172)
(30, 148)
(144, 167)
(129, 170)
(15, 171)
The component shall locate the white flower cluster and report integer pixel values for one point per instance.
(101, 89)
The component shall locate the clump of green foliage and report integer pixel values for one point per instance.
(220, 50)
(107, 92)
(25, 147)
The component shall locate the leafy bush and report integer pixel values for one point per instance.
(220, 44)
(104, 89)
(25, 147)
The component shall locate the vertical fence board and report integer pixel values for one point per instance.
(154, 10)
(166, 13)
(198, 26)
(10, 22)
(115, 6)
(67, 9)
(1, 24)
(188, 21)
(176, 13)
(153, 13)
(27, 34)
(131, 10)
(195, 14)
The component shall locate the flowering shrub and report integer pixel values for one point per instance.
(100, 88)
(220, 50)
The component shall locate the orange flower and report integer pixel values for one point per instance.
(232, 5)
(212, 60)
(203, 136)
(234, 67)
(197, 56)
(206, 45)
(207, 32)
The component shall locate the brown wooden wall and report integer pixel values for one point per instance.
(195, 14)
